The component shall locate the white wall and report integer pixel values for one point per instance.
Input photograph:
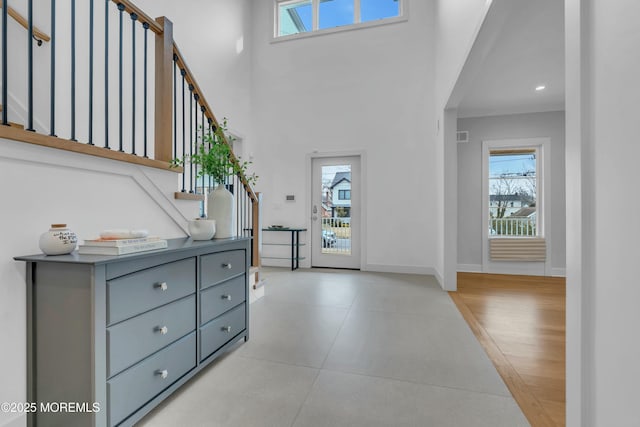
(457, 25)
(604, 93)
(214, 38)
(470, 182)
(365, 90)
(41, 186)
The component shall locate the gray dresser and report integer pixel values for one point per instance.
(111, 337)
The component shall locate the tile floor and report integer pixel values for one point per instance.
(348, 348)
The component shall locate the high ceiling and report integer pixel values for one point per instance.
(527, 52)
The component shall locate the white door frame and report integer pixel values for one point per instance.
(363, 197)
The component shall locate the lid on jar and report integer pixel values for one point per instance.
(58, 225)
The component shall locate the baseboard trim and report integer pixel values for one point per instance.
(402, 269)
(470, 268)
(559, 272)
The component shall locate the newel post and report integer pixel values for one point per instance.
(164, 94)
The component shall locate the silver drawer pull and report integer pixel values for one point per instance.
(227, 297)
(162, 329)
(226, 329)
(227, 265)
(162, 373)
(161, 286)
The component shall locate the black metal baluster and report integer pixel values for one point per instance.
(120, 69)
(146, 32)
(202, 138)
(90, 73)
(250, 222)
(5, 79)
(210, 139)
(30, 67)
(175, 113)
(241, 211)
(106, 74)
(134, 18)
(238, 207)
(246, 212)
(191, 131)
(195, 132)
(73, 70)
(184, 139)
(52, 98)
(202, 110)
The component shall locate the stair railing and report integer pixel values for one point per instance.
(38, 35)
(193, 118)
(121, 118)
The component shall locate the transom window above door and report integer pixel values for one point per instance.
(297, 17)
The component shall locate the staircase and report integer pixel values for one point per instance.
(128, 95)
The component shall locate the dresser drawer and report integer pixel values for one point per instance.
(221, 266)
(137, 385)
(144, 290)
(218, 332)
(217, 299)
(133, 340)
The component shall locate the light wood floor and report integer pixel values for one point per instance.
(520, 322)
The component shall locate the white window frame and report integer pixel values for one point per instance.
(403, 7)
(542, 147)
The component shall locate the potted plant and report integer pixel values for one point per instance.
(214, 158)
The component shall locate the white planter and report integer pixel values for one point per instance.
(221, 207)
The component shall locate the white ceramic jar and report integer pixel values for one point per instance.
(59, 240)
(202, 229)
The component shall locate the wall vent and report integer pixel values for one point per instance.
(462, 136)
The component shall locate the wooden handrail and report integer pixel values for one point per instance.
(17, 134)
(209, 114)
(129, 7)
(37, 33)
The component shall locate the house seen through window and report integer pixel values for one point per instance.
(513, 195)
(302, 16)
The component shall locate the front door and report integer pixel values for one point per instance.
(335, 212)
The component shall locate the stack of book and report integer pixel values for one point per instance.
(121, 246)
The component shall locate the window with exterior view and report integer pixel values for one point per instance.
(303, 16)
(513, 196)
(294, 17)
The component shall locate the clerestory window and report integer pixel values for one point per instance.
(306, 16)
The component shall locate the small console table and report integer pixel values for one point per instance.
(295, 245)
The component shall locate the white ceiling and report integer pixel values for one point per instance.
(527, 51)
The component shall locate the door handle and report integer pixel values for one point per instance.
(315, 209)
(315, 217)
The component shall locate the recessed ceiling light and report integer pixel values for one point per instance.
(541, 87)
